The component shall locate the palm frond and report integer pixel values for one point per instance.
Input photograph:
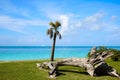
(50, 32)
(58, 34)
(52, 24)
(57, 24)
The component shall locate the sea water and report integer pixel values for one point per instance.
(8, 53)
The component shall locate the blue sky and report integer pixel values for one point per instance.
(84, 22)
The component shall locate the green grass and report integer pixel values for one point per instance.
(27, 70)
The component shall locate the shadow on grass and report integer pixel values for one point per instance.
(60, 72)
(85, 73)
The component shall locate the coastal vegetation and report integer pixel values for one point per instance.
(53, 33)
(27, 70)
(94, 65)
(116, 53)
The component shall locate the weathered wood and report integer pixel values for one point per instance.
(94, 65)
(80, 62)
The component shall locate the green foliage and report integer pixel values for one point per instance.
(116, 56)
(27, 70)
(116, 53)
(102, 49)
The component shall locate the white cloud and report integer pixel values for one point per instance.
(98, 21)
(65, 23)
(70, 23)
(93, 22)
(17, 24)
(94, 18)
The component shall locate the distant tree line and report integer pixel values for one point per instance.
(116, 53)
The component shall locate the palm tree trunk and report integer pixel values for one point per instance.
(53, 48)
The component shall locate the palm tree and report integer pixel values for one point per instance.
(53, 33)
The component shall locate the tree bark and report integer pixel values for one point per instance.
(94, 65)
(53, 48)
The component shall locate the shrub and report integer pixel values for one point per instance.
(116, 56)
(116, 53)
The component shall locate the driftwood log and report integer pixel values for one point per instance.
(94, 65)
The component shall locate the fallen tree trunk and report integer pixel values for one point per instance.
(94, 65)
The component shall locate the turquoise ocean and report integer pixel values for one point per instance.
(13, 53)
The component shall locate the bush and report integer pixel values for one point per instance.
(100, 49)
(116, 53)
(116, 56)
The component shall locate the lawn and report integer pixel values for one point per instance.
(27, 70)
